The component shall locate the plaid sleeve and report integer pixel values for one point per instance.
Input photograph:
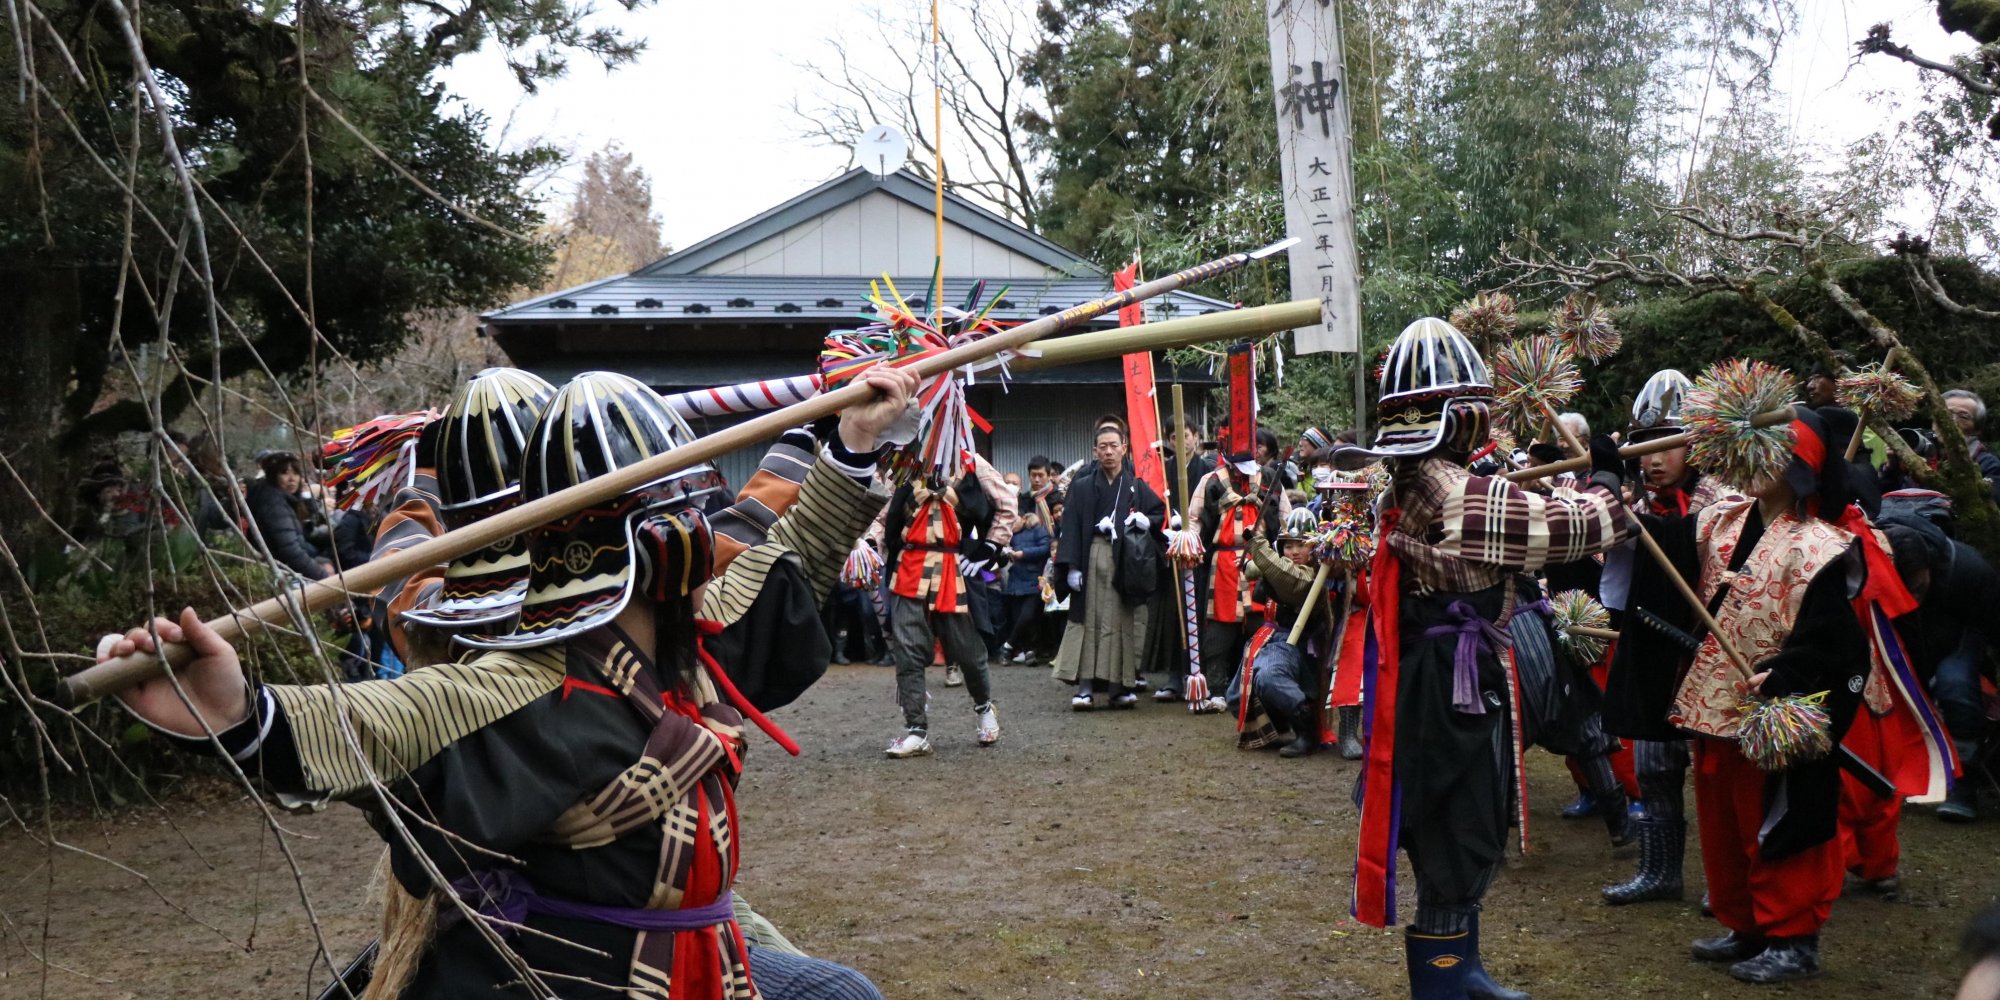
(1006, 500)
(1490, 521)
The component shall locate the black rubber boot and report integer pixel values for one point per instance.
(1728, 947)
(1305, 735)
(1479, 985)
(1437, 964)
(1350, 732)
(1618, 822)
(1659, 876)
(1961, 804)
(1784, 960)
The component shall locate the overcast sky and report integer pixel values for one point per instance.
(705, 109)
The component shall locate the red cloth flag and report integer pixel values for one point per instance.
(1140, 412)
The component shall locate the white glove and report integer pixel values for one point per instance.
(1104, 525)
(1138, 520)
(1173, 521)
(1076, 579)
(904, 430)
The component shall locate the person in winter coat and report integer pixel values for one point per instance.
(276, 510)
(1022, 593)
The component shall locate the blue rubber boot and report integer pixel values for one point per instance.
(1438, 964)
(1479, 985)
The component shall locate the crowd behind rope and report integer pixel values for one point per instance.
(1085, 568)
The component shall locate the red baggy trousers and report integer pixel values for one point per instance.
(1868, 844)
(1790, 897)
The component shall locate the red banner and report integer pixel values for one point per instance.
(1140, 409)
(1242, 400)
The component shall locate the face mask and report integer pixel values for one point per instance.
(675, 552)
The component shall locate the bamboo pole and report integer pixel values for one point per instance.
(116, 675)
(1165, 335)
(769, 394)
(1860, 429)
(1652, 547)
(1769, 418)
(1180, 460)
(1595, 633)
(1181, 494)
(1313, 600)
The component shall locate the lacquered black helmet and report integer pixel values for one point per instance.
(476, 452)
(1435, 392)
(583, 569)
(482, 435)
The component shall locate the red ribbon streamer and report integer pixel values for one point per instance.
(1375, 861)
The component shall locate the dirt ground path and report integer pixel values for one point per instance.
(1102, 855)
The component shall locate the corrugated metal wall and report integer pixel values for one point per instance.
(1052, 420)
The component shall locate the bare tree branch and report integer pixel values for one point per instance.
(1878, 41)
(1916, 254)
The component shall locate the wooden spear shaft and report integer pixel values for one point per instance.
(1180, 479)
(1659, 555)
(1313, 599)
(1860, 429)
(116, 675)
(1769, 418)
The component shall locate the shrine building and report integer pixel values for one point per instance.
(755, 301)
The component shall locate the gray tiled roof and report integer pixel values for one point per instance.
(704, 298)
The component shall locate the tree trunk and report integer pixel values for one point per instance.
(35, 368)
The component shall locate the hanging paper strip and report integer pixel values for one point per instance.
(373, 460)
(945, 423)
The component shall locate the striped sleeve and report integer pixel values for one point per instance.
(1490, 521)
(832, 511)
(400, 724)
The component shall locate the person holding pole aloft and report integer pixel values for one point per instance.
(1433, 783)
(546, 749)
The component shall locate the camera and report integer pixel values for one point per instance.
(1921, 440)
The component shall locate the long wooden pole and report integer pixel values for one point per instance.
(1314, 597)
(1652, 547)
(112, 676)
(1769, 418)
(1164, 335)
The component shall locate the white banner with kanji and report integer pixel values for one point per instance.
(1309, 75)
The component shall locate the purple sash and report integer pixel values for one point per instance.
(1474, 633)
(507, 895)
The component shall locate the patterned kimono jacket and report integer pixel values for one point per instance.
(550, 785)
(927, 558)
(1790, 609)
(1226, 517)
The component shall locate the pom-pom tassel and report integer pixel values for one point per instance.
(1719, 413)
(1784, 732)
(1573, 609)
(1881, 392)
(1585, 325)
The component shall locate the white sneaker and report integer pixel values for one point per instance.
(1080, 703)
(952, 677)
(989, 725)
(911, 744)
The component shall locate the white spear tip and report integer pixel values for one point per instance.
(1273, 248)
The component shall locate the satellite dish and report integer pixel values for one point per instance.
(882, 150)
